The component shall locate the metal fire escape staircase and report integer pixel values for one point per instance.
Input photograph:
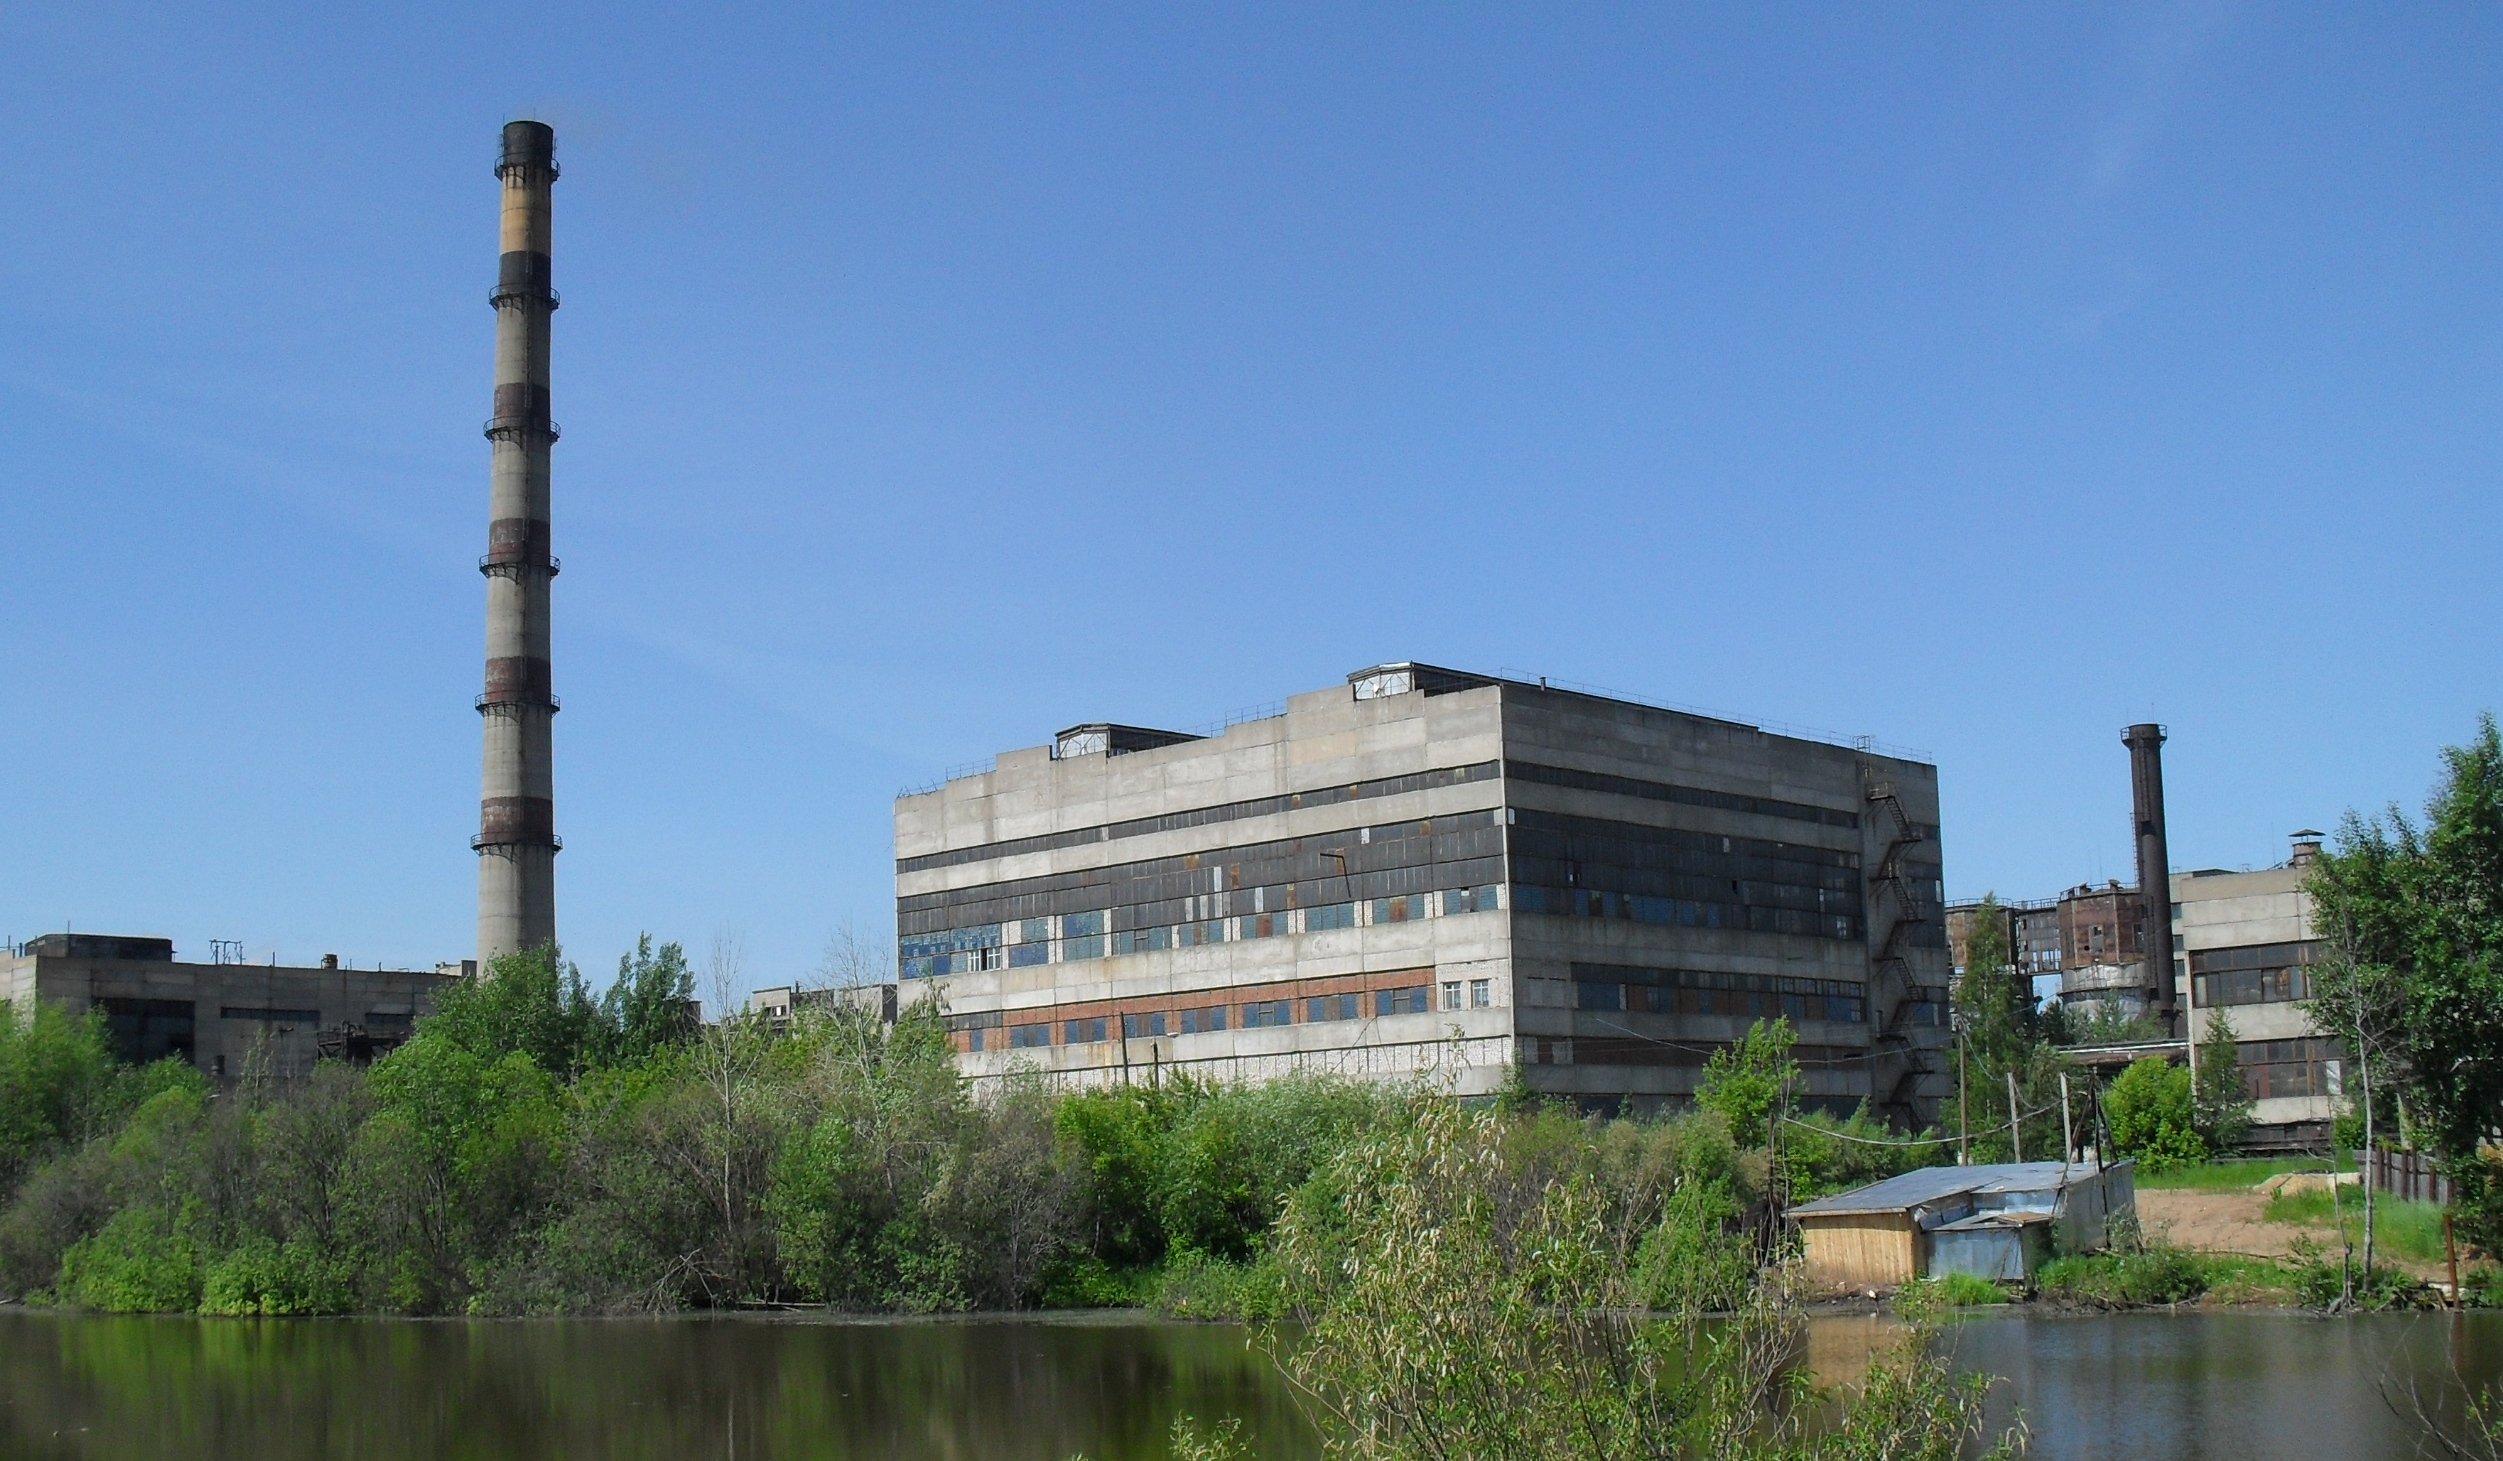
(1891, 974)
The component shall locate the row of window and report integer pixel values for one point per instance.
(1351, 865)
(1082, 936)
(1661, 791)
(1203, 816)
(2251, 986)
(2254, 973)
(978, 1032)
(1737, 1003)
(2304, 1067)
(2258, 956)
(1595, 868)
(1684, 912)
(1389, 786)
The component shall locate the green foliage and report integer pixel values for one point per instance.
(144, 1261)
(529, 1002)
(2335, 1283)
(1994, 1002)
(2220, 1099)
(648, 1009)
(2152, 1275)
(1196, 1286)
(1689, 1260)
(1924, 1298)
(2412, 1230)
(1514, 1330)
(2107, 1022)
(2152, 1115)
(1084, 1281)
(1188, 1442)
(58, 1083)
(1745, 1081)
(1822, 1155)
(2417, 913)
(296, 1278)
(1187, 1167)
(2234, 1175)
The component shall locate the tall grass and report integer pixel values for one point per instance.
(2235, 1175)
(2411, 1230)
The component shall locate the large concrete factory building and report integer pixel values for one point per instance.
(1427, 871)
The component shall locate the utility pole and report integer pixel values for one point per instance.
(2068, 1132)
(2016, 1132)
(1963, 1104)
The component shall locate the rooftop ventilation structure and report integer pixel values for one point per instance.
(1377, 682)
(1103, 738)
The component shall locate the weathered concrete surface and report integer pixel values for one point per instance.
(1592, 756)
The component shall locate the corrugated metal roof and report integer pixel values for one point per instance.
(1932, 1184)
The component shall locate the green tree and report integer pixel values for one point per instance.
(2153, 1116)
(1518, 1329)
(1745, 1081)
(2416, 914)
(650, 1008)
(1994, 1003)
(2220, 1098)
(528, 1002)
(1999, 1036)
(59, 1083)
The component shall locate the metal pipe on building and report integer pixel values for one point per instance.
(2155, 867)
(516, 841)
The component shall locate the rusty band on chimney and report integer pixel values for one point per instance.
(518, 682)
(515, 428)
(518, 545)
(522, 277)
(516, 821)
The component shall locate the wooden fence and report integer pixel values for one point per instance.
(2407, 1175)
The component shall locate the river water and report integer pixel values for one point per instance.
(2200, 1386)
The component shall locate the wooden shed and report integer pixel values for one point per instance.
(1997, 1221)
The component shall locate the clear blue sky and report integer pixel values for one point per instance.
(933, 378)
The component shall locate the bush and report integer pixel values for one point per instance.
(1923, 1297)
(2156, 1275)
(1820, 1155)
(2152, 1115)
(1085, 1281)
(144, 1261)
(1196, 1286)
(1691, 1260)
(259, 1279)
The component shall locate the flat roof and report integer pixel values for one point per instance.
(1931, 1184)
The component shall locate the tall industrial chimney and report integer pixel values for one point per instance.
(2155, 868)
(516, 841)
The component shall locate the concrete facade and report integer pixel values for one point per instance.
(1426, 872)
(157, 1006)
(2246, 947)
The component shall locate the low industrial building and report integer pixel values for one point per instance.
(2243, 945)
(1429, 873)
(2247, 947)
(1999, 1221)
(215, 1014)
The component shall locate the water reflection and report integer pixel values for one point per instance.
(2226, 1386)
(275, 1390)
(2208, 1387)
